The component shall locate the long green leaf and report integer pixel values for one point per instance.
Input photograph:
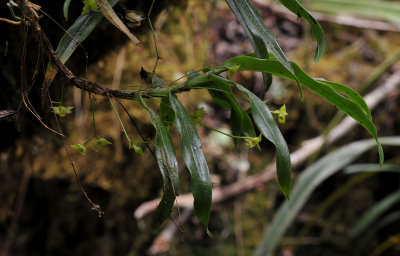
(370, 9)
(66, 8)
(307, 181)
(76, 34)
(223, 95)
(351, 106)
(356, 168)
(195, 161)
(374, 213)
(254, 23)
(316, 28)
(350, 93)
(267, 126)
(374, 229)
(167, 114)
(256, 42)
(166, 160)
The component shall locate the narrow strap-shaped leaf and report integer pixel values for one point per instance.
(66, 8)
(167, 114)
(351, 106)
(195, 161)
(254, 23)
(267, 126)
(307, 181)
(108, 12)
(256, 42)
(316, 28)
(353, 95)
(77, 33)
(166, 160)
(240, 120)
(374, 213)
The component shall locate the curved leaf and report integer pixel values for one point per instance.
(166, 160)
(356, 168)
(374, 213)
(248, 15)
(108, 12)
(239, 119)
(66, 8)
(195, 161)
(256, 42)
(353, 95)
(316, 28)
(167, 114)
(76, 34)
(351, 106)
(307, 181)
(267, 126)
(370, 9)
(363, 241)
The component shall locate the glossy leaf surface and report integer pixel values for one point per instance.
(351, 105)
(166, 160)
(195, 161)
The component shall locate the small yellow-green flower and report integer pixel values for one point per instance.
(89, 5)
(281, 114)
(232, 70)
(253, 141)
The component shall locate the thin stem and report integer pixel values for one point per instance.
(137, 129)
(120, 121)
(154, 36)
(86, 142)
(224, 133)
(92, 112)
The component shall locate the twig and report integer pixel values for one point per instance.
(308, 148)
(33, 112)
(95, 206)
(163, 240)
(154, 36)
